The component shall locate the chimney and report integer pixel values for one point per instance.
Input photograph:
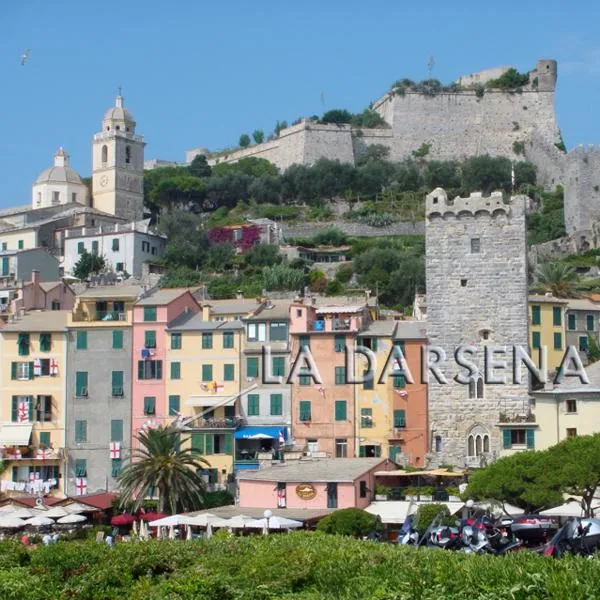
(35, 277)
(206, 312)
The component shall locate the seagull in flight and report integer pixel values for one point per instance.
(24, 57)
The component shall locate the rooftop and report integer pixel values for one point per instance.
(277, 309)
(112, 291)
(39, 320)
(339, 308)
(234, 306)
(163, 297)
(406, 330)
(574, 384)
(583, 304)
(193, 322)
(549, 298)
(315, 470)
(299, 514)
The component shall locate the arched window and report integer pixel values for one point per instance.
(480, 388)
(471, 446)
(486, 444)
(127, 154)
(471, 389)
(478, 446)
(104, 154)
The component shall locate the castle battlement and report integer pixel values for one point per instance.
(438, 204)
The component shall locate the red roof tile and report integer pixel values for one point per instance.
(101, 500)
(29, 501)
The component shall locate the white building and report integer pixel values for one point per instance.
(125, 248)
(59, 185)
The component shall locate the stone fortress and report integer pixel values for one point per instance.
(519, 124)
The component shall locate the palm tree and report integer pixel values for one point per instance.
(163, 462)
(557, 278)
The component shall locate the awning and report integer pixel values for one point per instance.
(260, 433)
(15, 434)
(210, 401)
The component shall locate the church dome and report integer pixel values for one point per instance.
(118, 117)
(61, 172)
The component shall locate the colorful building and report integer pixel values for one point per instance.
(99, 396)
(34, 376)
(582, 323)
(547, 329)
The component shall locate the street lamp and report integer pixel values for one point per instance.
(469, 504)
(267, 515)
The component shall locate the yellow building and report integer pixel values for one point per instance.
(203, 383)
(547, 329)
(33, 391)
(568, 408)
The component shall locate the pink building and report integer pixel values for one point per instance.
(151, 316)
(312, 483)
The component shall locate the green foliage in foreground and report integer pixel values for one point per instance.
(349, 521)
(300, 566)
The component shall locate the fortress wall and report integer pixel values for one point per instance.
(549, 160)
(304, 230)
(582, 188)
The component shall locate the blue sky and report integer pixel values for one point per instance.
(200, 73)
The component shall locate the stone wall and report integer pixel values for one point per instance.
(582, 188)
(581, 241)
(304, 230)
(469, 293)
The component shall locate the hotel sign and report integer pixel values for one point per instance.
(306, 491)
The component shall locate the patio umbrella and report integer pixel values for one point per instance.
(209, 531)
(143, 530)
(153, 516)
(7, 508)
(78, 507)
(54, 513)
(569, 509)
(274, 523)
(237, 522)
(170, 521)
(122, 520)
(10, 522)
(171, 532)
(22, 513)
(39, 521)
(66, 520)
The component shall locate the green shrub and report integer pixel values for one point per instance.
(422, 151)
(426, 513)
(344, 273)
(518, 147)
(510, 79)
(349, 521)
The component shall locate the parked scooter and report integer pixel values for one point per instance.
(577, 536)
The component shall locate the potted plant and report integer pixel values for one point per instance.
(382, 492)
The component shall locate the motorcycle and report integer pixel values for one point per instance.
(579, 536)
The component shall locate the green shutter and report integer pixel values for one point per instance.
(228, 443)
(207, 373)
(340, 410)
(149, 405)
(399, 381)
(45, 438)
(175, 370)
(228, 372)
(304, 342)
(174, 404)
(558, 341)
(117, 383)
(150, 338)
(80, 431)
(556, 316)
(305, 412)
(304, 377)
(362, 451)
(530, 436)
(374, 344)
(366, 418)
(210, 438)
(199, 442)
(252, 367)
(507, 439)
(81, 383)
(572, 320)
(589, 322)
(228, 339)
(340, 375)
(276, 404)
(116, 467)
(176, 341)
(278, 366)
(368, 380)
(158, 369)
(15, 409)
(207, 341)
(394, 451)
(80, 467)
(339, 343)
(45, 342)
(149, 313)
(13, 370)
(23, 344)
(253, 405)
(141, 373)
(5, 266)
(116, 430)
(536, 317)
(399, 418)
(535, 340)
(81, 340)
(117, 339)
(30, 370)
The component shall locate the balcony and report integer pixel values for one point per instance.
(110, 315)
(512, 418)
(31, 453)
(225, 423)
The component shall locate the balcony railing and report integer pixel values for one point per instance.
(527, 417)
(110, 315)
(227, 423)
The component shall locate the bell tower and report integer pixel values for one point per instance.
(118, 165)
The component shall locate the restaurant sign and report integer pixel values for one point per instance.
(306, 491)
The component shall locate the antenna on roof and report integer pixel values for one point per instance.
(430, 65)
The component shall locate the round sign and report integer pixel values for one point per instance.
(306, 491)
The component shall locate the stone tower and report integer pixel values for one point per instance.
(118, 165)
(476, 262)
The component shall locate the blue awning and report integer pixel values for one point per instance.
(258, 433)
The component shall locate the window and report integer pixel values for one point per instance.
(229, 412)
(207, 341)
(475, 245)
(257, 332)
(556, 316)
(4, 245)
(229, 372)
(120, 267)
(21, 370)
(341, 412)
(80, 467)
(95, 247)
(44, 367)
(278, 366)
(127, 154)
(535, 340)
(305, 412)
(81, 340)
(536, 316)
(175, 341)
(341, 448)
(298, 312)
(115, 467)
(276, 405)
(20, 245)
(304, 377)
(115, 245)
(583, 343)
(153, 250)
(22, 409)
(145, 246)
(43, 409)
(149, 369)
(149, 405)
(304, 342)
(278, 331)
(116, 430)
(81, 383)
(339, 343)
(438, 443)
(117, 339)
(55, 305)
(589, 322)
(340, 375)
(5, 266)
(228, 339)
(73, 196)
(571, 432)
(80, 247)
(175, 370)
(149, 313)
(571, 406)
(514, 437)
(45, 342)
(332, 495)
(558, 341)
(399, 381)
(252, 367)
(253, 405)
(366, 418)
(104, 153)
(45, 439)
(23, 344)
(363, 489)
(150, 338)
(369, 342)
(480, 387)
(174, 404)
(572, 321)
(368, 380)
(80, 431)
(117, 383)
(463, 283)
(207, 373)
(399, 418)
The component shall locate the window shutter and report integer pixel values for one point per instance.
(207, 373)
(80, 382)
(31, 370)
(276, 404)
(207, 341)
(340, 410)
(117, 340)
(13, 370)
(253, 405)
(399, 381)
(45, 438)
(174, 403)
(228, 444)
(362, 451)
(141, 369)
(45, 342)
(15, 409)
(175, 370)
(158, 369)
(149, 405)
(229, 372)
(116, 467)
(339, 343)
(150, 338)
(507, 439)
(228, 339)
(175, 341)
(393, 452)
(30, 408)
(399, 418)
(149, 313)
(117, 383)
(368, 380)
(116, 430)
(252, 367)
(374, 344)
(198, 442)
(209, 443)
(530, 436)
(278, 366)
(80, 467)
(305, 413)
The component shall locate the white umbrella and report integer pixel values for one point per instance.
(71, 519)
(237, 522)
(143, 530)
(8, 508)
(171, 532)
(78, 507)
(22, 513)
(134, 528)
(10, 522)
(209, 530)
(170, 521)
(39, 521)
(568, 509)
(54, 512)
(274, 523)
